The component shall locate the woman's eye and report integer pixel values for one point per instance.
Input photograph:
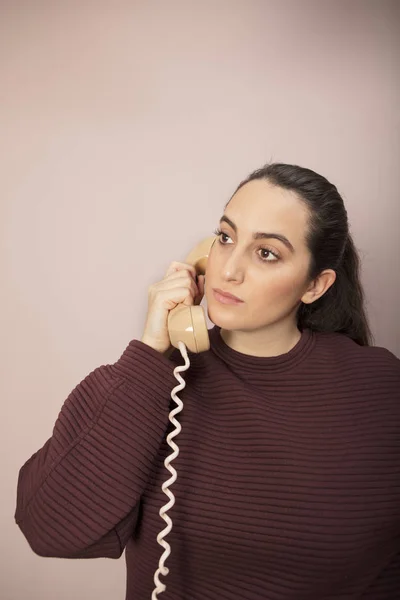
(218, 232)
(269, 252)
(276, 256)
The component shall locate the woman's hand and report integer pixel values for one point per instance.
(178, 286)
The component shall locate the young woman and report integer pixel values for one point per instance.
(288, 483)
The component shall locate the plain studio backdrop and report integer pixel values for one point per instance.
(125, 127)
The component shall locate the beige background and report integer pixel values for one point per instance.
(124, 128)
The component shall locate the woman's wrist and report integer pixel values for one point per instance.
(167, 352)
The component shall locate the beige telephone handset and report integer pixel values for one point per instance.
(187, 327)
(187, 324)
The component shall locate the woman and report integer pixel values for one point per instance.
(288, 481)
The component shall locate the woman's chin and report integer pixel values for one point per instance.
(222, 316)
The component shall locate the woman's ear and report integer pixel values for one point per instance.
(319, 286)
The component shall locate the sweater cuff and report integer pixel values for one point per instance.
(142, 365)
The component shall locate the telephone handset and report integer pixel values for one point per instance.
(187, 327)
(187, 324)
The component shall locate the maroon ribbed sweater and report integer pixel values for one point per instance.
(288, 481)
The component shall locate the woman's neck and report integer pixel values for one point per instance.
(272, 340)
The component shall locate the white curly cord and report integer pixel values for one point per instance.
(161, 587)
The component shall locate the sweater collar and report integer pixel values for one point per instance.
(247, 363)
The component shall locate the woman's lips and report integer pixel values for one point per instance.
(225, 299)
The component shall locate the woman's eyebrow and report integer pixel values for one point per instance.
(260, 234)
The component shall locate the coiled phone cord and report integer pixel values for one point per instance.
(161, 587)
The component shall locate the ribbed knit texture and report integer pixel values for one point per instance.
(288, 481)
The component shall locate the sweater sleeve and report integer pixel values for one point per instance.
(79, 495)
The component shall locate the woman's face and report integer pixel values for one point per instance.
(268, 275)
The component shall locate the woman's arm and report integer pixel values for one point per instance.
(78, 496)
